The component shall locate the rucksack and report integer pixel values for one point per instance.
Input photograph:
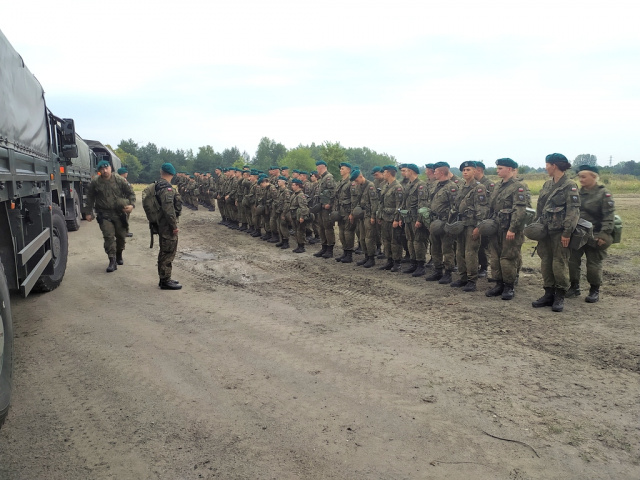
(152, 208)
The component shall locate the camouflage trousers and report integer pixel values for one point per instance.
(346, 233)
(467, 254)
(506, 256)
(114, 232)
(367, 234)
(283, 227)
(327, 235)
(554, 261)
(417, 240)
(392, 240)
(274, 221)
(595, 257)
(168, 247)
(442, 251)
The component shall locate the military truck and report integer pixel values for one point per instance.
(75, 176)
(103, 152)
(34, 143)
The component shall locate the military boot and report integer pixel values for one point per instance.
(558, 300)
(274, 239)
(496, 291)
(594, 294)
(380, 254)
(256, 233)
(285, 244)
(370, 262)
(388, 265)
(280, 243)
(397, 266)
(429, 264)
(119, 259)
(446, 278)
(170, 285)
(546, 300)
(420, 270)
(348, 257)
(321, 252)
(461, 282)
(339, 259)
(358, 250)
(411, 268)
(469, 287)
(508, 293)
(267, 236)
(435, 276)
(574, 291)
(363, 261)
(406, 258)
(244, 227)
(300, 248)
(112, 265)
(329, 252)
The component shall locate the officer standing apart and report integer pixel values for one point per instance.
(113, 199)
(596, 206)
(559, 210)
(171, 207)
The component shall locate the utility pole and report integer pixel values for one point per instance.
(610, 160)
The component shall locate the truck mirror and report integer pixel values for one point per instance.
(70, 151)
(68, 130)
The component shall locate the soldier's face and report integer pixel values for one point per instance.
(431, 174)
(587, 179)
(345, 171)
(440, 173)
(105, 172)
(468, 173)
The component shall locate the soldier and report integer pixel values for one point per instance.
(415, 224)
(364, 196)
(342, 205)
(326, 189)
(124, 173)
(270, 224)
(508, 208)
(442, 200)
(171, 207)
(429, 170)
(313, 197)
(261, 205)
(483, 253)
(251, 203)
(378, 181)
(113, 198)
(559, 210)
(281, 207)
(596, 206)
(391, 199)
(471, 207)
(299, 213)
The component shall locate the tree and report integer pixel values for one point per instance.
(334, 154)
(231, 156)
(132, 163)
(207, 160)
(585, 159)
(129, 146)
(300, 158)
(268, 153)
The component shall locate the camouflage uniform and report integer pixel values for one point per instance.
(483, 253)
(281, 209)
(299, 209)
(392, 198)
(365, 196)
(109, 197)
(171, 204)
(442, 201)
(342, 205)
(326, 189)
(559, 209)
(416, 197)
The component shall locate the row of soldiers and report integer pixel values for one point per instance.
(442, 214)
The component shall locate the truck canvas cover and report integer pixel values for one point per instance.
(22, 108)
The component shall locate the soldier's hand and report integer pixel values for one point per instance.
(327, 207)
(350, 218)
(510, 236)
(373, 221)
(175, 231)
(601, 241)
(128, 209)
(399, 223)
(88, 218)
(565, 241)
(475, 234)
(302, 220)
(395, 224)
(418, 224)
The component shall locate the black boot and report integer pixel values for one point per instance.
(243, 228)
(482, 273)
(435, 276)
(285, 244)
(256, 234)
(429, 264)
(508, 293)
(170, 285)
(406, 258)
(339, 259)
(420, 270)
(380, 254)
(546, 300)
(363, 261)
(469, 287)
(461, 282)
(119, 259)
(388, 265)
(280, 243)
(594, 294)
(558, 300)
(267, 236)
(329, 252)
(321, 252)
(446, 278)
(300, 248)
(348, 257)
(574, 291)
(370, 262)
(112, 265)
(274, 239)
(496, 291)
(397, 266)
(411, 268)
(358, 251)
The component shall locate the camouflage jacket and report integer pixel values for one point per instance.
(170, 202)
(365, 196)
(416, 197)
(508, 205)
(442, 200)
(342, 198)
(471, 204)
(598, 207)
(109, 195)
(298, 206)
(391, 200)
(559, 205)
(326, 188)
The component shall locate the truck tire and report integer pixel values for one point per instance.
(74, 223)
(59, 250)
(6, 347)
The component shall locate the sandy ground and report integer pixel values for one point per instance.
(272, 365)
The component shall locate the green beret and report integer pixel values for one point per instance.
(481, 165)
(295, 170)
(282, 177)
(122, 170)
(315, 172)
(297, 181)
(376, 169)
(590, 168)
(430, 166)
(354, 174)
(346, 164)
(247, 167)
(468, 163)
(506, 162)
(274, 167)
(440, 164)
(284, 168)
(262, 178)
(253, 172)
(392, 168)
(412, 166)
(402, 165)
(554, 158)
(217, 168)
(302, 172)
(321, 162)
(103, 163)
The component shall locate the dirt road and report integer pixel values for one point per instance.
(272, 365)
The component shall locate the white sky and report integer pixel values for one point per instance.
(421, 80)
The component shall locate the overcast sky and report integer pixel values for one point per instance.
(421, 80)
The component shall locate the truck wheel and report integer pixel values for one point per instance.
(59, 250)
(6, 347)
(74, 223)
